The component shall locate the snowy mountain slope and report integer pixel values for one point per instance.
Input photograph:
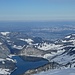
(21, 43)
(65, 58)
(4, 50)
(7, 64)
(61, 51)
(69, 71)
(46, 46)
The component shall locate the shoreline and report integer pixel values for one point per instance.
(46, 67)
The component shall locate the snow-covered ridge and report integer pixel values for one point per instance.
(29, 41)
(5, 33)
(68, 36)
(46, 46)
(0, 43)
(18, 47)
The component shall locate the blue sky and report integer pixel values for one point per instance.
(37, 10)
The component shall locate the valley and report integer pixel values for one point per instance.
(16, 46)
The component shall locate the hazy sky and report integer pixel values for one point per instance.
(33, 10)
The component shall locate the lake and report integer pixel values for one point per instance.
(24, 65)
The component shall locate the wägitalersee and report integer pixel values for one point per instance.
(23, 65)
